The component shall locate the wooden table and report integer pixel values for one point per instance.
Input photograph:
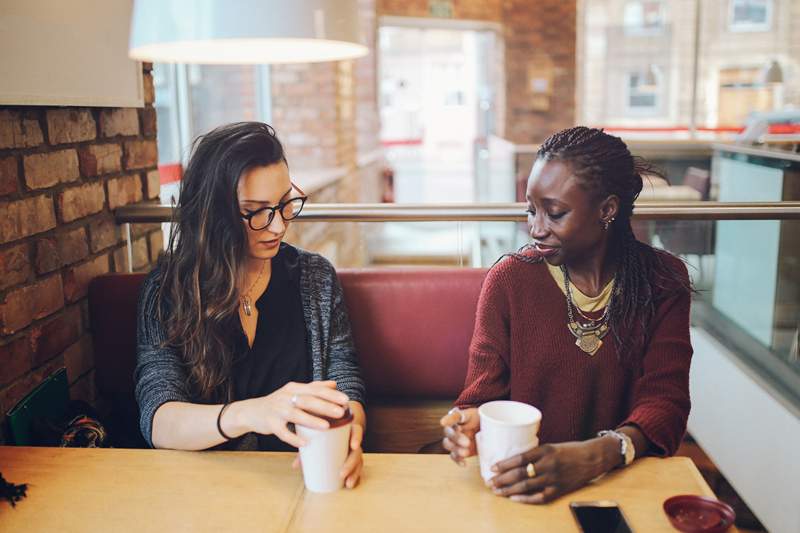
(148, 490)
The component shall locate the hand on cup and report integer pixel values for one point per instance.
(546, 472)
(351, 470)
(298, 403)
(460, 427)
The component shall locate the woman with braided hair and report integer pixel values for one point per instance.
(586, 323)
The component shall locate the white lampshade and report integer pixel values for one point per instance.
(245, 31)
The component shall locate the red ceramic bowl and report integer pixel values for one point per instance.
(698, 514)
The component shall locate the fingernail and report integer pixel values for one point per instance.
(537, 498)
(497, 491)
(515, 497)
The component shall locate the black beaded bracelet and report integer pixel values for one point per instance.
(219, 422)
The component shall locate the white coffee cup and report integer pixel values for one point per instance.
(507, 428)
(324, 454)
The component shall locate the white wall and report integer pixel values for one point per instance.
(750, 436)
(68, 53)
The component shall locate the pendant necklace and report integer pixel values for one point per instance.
(588, 333)
(246, 302)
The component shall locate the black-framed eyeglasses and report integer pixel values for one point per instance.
(263, 217)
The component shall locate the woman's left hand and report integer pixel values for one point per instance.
(557, 468)
(351, 470)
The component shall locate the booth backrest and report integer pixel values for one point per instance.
(411, 328)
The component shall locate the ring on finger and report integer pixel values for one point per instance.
(462, 418)
(530, 470)
(294, 400)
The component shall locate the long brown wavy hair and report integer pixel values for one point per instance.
(198, 297)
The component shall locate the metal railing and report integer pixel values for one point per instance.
(505, 212)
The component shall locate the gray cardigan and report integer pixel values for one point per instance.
(160, 376)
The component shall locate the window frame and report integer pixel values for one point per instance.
(746, 27)
(645, 30)
(649, 111)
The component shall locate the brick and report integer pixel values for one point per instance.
(140, 256)
(124, 191)
(153, 180)
(70, 125)
(79, 358)
(144, 229)
(23, 306)
(9, 179)
(121, 259)
(78, 202)
(47, 256)
(19, 131)
(15, 360)
(17, 390)
(72, 246)
(149, 122)
(51, 338)
(156, 245)
(46, 170)
(103, 233)
(121, 121)
(99, 159)
(76, 280)
(149, 89)
(26, 217)
(140, 154)
(15, 266)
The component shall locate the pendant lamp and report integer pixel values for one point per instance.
(220, 32)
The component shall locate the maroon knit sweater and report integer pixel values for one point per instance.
(522, 350)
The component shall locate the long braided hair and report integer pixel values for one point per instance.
(604, 166)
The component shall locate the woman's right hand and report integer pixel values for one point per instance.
(295, 403)
(460, 427)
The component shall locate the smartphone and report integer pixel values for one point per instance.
(602, 516)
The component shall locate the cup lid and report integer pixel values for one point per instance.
(345, 419)
(699, 514)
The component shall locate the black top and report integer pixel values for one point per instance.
(280, 349)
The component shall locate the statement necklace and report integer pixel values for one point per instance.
(588, 333)
(246, 302)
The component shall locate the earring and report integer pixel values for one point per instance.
(605, 224)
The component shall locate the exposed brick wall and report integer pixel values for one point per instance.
(326, 115)
(62, 172)
(533, 33)
(491, 10)
(542, 31)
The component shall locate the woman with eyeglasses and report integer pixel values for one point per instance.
(241, 335)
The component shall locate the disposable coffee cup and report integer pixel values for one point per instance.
(325, 452)
(508, 428)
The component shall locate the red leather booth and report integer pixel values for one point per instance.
(411, 328)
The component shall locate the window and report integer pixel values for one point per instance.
(643, 17)
(750, 15)
(194, 99)
(643, 89)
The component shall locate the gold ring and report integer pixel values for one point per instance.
(531, 470)
(461, 416)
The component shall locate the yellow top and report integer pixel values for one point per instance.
(586, 304)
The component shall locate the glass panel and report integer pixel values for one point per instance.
(221, 94)
(737, 60)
